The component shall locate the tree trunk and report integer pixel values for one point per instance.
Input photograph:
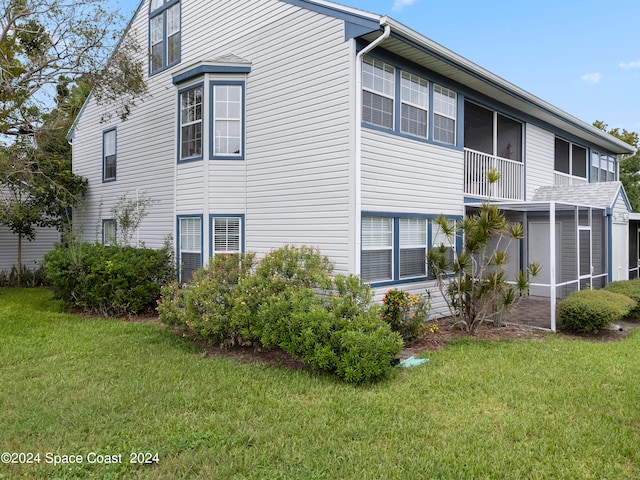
(19, 267)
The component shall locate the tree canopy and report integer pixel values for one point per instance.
(46, 42)
(630, 165)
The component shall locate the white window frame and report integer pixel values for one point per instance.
(368, 246)
(109, 232)
(411, 84)
(191, 114)
(386, 89)
(190, 235)
(217, 87)
(164, 25)
(413, 243)
(109, 154)
(215, 220)
(451, 112)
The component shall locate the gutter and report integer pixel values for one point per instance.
(384, 22)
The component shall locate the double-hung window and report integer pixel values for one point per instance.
(164, 34)
(108, 232)
(109, 155)
(444, 115)
(227, 128)
(191, 124)
(414, 102)
(377, 249)
(603, 167)
(190, 246)
(394, 248)
(227, 234)
(413, 247)
(378, 92)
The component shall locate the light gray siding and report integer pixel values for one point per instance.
(32, 252)
(294, 185)
(405, 176)
(540, 152)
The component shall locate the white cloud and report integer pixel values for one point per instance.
(635, 64)
(400, 4)
(591, 77)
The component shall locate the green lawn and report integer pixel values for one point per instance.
(556, 409)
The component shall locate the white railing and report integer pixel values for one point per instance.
(476, 167)
(562, 179)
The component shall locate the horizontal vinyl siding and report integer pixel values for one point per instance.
(146, 155)
(407, 176)
(32, 252)
(540, 152)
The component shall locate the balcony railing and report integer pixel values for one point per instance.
(561, 179)
(476, 182)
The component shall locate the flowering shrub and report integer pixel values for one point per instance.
(405, 313)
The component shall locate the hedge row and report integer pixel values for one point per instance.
(108, 280)
(288, 301)
(589, 311)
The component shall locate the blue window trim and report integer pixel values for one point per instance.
(210, 68)
(397, 107)
(152, 14)
(211, 117)
(178, 218)
(395, 216)
(179, 148)
(115, 228)
(104, 132)
(212, 216)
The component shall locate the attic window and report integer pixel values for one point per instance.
(164, 34)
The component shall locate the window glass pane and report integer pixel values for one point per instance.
(413, 262)
(190, 234)
(439, 239)
(227, 119)
(561, 163)
(579, 161)
(413, 247)
(444, 130)
(414, 90)
(156, 4)
(109, 232)
(478, 128)
(413, 121)
(226, 235)
(378, 76)
(444, 107)
(191, 121)
(509, 139)
(377, 232)
(377, 110)
(376, 265)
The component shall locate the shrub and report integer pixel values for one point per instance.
(36, 277)
(630, 288)
(108, 280)
(589, 311)
(291, 303)
(405, 313)
(204, 306)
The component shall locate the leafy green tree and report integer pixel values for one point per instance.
(37, 185)
(473, 281)
(629, 166)
(43, 42)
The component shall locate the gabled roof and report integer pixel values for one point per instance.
(601, 195)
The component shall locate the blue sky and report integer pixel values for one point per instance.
(582, 56)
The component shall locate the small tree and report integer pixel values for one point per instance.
(473, 281)
(128, 215)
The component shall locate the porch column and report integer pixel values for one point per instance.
(552, 262)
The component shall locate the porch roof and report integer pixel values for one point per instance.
(536, 206)
(601, 195)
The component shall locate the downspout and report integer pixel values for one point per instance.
(358, 141)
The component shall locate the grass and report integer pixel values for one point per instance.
(478, 409)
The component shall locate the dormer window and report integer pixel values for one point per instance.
(164, 34)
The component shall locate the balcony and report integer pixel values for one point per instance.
(562, 179)
(478, 164)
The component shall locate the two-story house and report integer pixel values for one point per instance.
(274, 122)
